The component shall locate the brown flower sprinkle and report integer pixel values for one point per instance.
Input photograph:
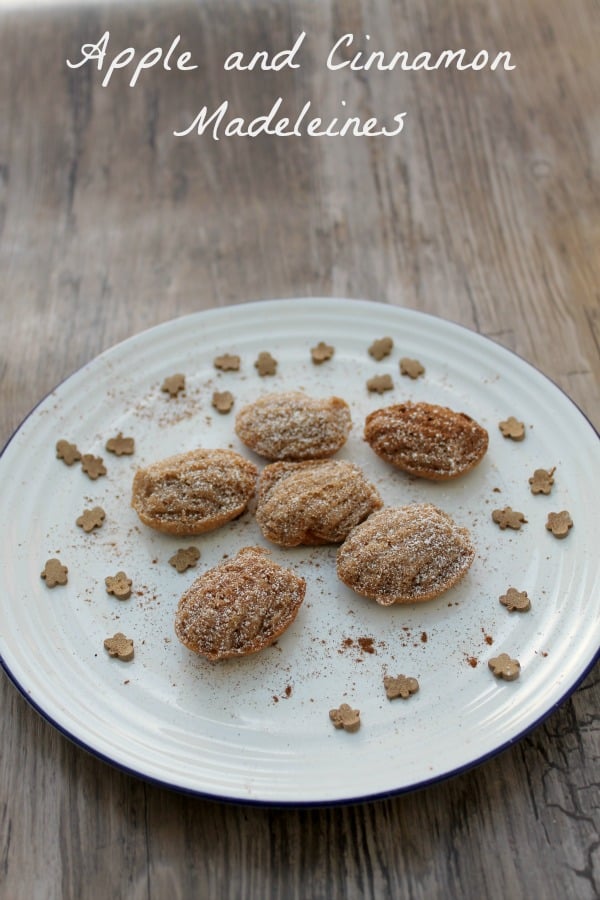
(120, 446)
(93, 466)
(559, 523)
(321, 353)
(119, 646)
(515, 601)
(228, 362)
(508, 518)
(504, 667)
(223, 401)
(185, 559)
(345, 717)
(513, 429)
(91, 518)
(67, 452)
(381, 348)
(54, 573)
(380, 383)
(119, 585)
(174, 384)
(265, 364)
(542, 480)
(401, 686)
(411, 367)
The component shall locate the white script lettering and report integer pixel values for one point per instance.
(261, 58)
(122, 59)
(362, 61)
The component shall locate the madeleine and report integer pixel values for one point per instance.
(426, 440)
(405, 554)
(313, 502)
(193, 492)
(239, 607)
(294, 426)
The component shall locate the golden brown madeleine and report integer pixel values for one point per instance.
(426, 440)
(193, 492)
(313, 502)
(239, 607)
(294, 426)
(405, 554)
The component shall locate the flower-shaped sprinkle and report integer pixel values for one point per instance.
(93, 466)
(119, 646)
(559, 523)
(504, 667)
(67, 452)
(174, 384)
(508, 518)
(411, 367)
(515, 601)
(223, 401)
(542, 480)
(345, 717)
(321, 353)
(381, 348)
(228, 362)
(401, 686)
(513, 429)
(380, 383)
(119, 585)
(120, 446)
(54, 573)
(265, 364)
(185, 559)
(91, 518)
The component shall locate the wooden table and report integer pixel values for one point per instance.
(483, 210)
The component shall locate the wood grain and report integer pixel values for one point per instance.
(485, 211)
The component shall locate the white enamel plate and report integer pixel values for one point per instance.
(257, 729)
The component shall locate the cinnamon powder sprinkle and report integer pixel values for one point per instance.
(366, 644)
